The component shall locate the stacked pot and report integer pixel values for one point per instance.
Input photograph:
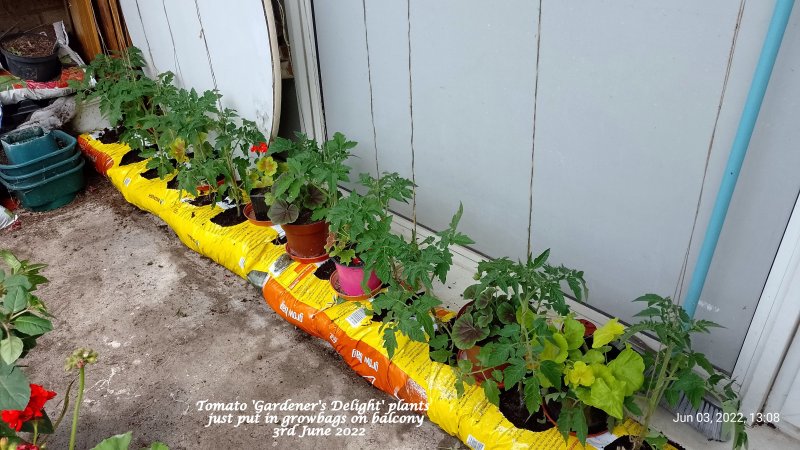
(44, 170)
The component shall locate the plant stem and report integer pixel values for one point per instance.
(35, 431)
(77, 410)
(655, 397)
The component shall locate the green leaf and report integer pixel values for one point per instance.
(533, 394)
(550, 374)
(555, 349)
(593, 356)
(701, 360)
(607, 333)
(157, 446)
(630, 405)
(466, 333)
(573, 332)
(541, 259)
(32, 325)
(14, 388)
(514, 373)
(492, 391)
(118, 442)
(610, 399)
(438, 341)
(10, 349)
(282, 213)
(647, 312)
(17, 280)
(11, 260)
(572, 419)
(389, 341)
(16, 299)
(693, 386)
(442, 355)
(505, 313)
(628, 367)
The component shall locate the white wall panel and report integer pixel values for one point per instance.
(238, 42)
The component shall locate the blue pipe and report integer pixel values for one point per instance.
(752, 106)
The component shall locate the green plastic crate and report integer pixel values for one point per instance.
(52, 193)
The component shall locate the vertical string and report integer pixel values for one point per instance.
(371, 97)
(411, 114)
(678, 293)
(208, 54)
(146, 41)
(533, 127)
(172, 38)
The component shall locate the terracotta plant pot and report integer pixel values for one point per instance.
(471, 354)
(252, 217)
(306, 241)
(589, 327)
(482, 374)
(350, 278)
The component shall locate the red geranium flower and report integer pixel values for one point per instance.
(261, 147)
(15, 418)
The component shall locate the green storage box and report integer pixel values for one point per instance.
(27, 144)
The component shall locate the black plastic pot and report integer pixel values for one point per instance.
(42, 68)
(260, 207)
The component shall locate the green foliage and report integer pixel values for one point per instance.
(410, 267)
(225, 163)
(123, 442)
(673, 368)
(118, 81)
(170, 126)
(23, 319)
(357, 221)
(497, 315)
(311, 181)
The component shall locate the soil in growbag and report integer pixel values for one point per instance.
(309, 302)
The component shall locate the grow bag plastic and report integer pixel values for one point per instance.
(308, 302)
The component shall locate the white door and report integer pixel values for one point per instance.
(209, 44)
(783, 406)
(769, 365)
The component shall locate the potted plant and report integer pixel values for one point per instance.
(355, 223)
(262, 176)
(514, 335)
(673, 372)
(600, 383)
(307, 190)
(32, 56)
(410, 267)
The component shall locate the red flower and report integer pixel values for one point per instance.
(15, 418)
(26, 446)
(39, 396)
(261, 147)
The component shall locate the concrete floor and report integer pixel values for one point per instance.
(174, 328)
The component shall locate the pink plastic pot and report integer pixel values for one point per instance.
(350, 278)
